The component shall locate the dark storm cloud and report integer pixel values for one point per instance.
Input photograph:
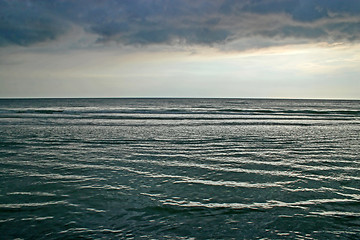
(296, 32)
(26, 22)
(203, 22)
(299, 10)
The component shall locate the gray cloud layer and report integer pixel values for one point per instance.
(193, 22)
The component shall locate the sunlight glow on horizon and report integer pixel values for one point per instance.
(278, 71)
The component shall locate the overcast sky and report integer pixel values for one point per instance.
(180, 48)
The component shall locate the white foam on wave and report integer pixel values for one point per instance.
(262, 205)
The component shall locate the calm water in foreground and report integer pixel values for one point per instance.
(179, 169)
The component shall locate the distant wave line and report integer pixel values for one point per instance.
(184, 111)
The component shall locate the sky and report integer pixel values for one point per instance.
(180, 48)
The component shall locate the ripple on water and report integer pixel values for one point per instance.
(169, 169)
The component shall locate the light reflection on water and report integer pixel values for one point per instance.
(180, 169)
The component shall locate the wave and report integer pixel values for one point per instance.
(257, 205)
(292, 112)
(183, 111)
(4, 206)
(175, 118)
(41, 111)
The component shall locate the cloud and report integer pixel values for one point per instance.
(182, 22)
(26, 22)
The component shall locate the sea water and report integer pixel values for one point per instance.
(179, 169)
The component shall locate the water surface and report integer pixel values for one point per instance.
(179, 169)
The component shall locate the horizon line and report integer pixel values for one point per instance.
(154, 97)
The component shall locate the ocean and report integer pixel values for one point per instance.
(179, 169)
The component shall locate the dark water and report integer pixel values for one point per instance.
(179, 169)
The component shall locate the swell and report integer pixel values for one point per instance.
(260, 205)
(186, 111)
(293, 112)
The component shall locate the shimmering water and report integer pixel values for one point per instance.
(179, 169)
